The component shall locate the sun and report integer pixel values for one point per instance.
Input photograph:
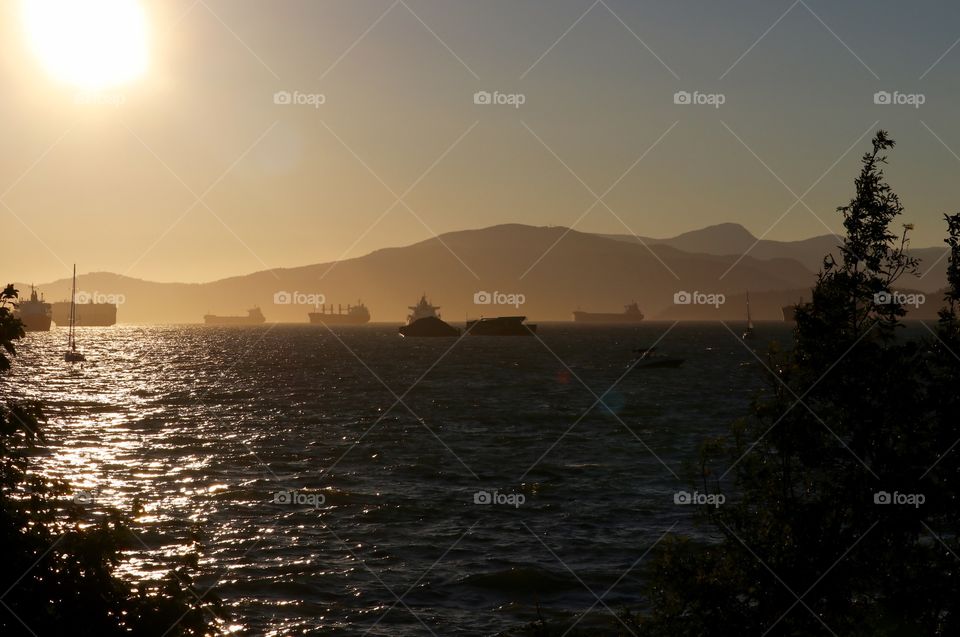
(91, 44)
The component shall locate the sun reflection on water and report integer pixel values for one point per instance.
(194, 431)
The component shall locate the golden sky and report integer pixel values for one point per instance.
(156, 139)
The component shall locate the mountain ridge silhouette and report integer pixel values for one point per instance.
(558, 270)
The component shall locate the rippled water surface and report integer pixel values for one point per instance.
(205, 426)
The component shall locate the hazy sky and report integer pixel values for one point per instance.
(198, 174)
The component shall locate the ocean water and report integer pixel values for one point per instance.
(329, 480)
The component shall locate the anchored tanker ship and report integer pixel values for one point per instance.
(253, 317)
(355, 315)
(88, 314)
(631, 314)
(424, 321)
(35, 314)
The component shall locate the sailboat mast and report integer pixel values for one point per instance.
(73, 307)
(749, 319)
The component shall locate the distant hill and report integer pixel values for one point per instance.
(579, 270)
(727, 239)
(575, 270)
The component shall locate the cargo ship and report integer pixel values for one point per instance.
(253, 317)
(631, 314)
(500, 326)
(87, 314)
(35, 314)
(355, 315)
(424, 320)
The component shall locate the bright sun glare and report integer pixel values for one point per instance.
(92, 44)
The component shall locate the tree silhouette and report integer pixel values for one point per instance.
(857, 414)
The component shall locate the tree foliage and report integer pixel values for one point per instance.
(859, 412)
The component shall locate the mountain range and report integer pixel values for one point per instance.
(555, 269)
(734, 239)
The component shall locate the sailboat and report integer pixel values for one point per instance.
(748, 334)
(72, 355)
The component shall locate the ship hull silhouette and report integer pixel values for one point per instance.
(35, 314)
(87, 314)
(631, 314)
(355, 315)
(500, 326)
(424, 321)
(429, 326)
(253, 317)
